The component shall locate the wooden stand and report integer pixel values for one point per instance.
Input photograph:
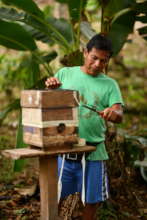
(48, 177)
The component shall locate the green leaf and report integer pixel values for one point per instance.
(15, 105)
(30, 66)
(41, 29)
(63, 27)
(87, 30)
(26, 5)
(92, 5)
(51, 28)
(38, 34)
(11, 14)
(114, 6)
(34, 75)
(120, 29)
(75, 8)
(49, 57)
(15, 37)
(19, 164)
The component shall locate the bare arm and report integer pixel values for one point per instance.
(113, 113)
(52, 83)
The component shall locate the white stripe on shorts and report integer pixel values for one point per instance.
(105, 193)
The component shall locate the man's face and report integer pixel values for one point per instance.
(95, 61)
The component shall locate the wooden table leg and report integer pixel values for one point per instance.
(48, 187)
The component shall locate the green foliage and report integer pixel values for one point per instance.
(107, 211)
(6, 141)
(141, 9)
(15, 37)
(23, 70)
(51, 30)
(75, 8)
(11, 14)
(115, 17)
(26, 5)
(132, 151)
(15, 105)
(123, 28)
(19, 164)
(8, 66)
(46, 28)
(113, 7)
(92, 5)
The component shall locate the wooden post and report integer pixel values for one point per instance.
(48, 187)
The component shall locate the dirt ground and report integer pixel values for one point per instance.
(20, 198)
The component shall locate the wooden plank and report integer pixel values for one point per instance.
(57, 114)
(45, 124)
(48, 187)
(37, 115)
(55, 142)
(48, 98)
(61, 129)
(28, 153)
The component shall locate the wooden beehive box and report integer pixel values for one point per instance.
(49, 118)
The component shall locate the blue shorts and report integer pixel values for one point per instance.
(96, 181)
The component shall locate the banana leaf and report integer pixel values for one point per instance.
(120, 29)
(53, 30)
(14, 36)
(75, 8)
(26, 5)
(34, 75)
(111, 7)
(87, 30)
(11, 14)
(49, 57)
(41, 31)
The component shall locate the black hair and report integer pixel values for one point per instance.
(101, 42)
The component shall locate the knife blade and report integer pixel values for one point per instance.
(91, 108)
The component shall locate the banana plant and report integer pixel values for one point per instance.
(21, 28)
(118, 19)
(54, 29)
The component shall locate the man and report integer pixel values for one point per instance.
(98, 90)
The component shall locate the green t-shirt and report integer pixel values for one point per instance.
(100, 91)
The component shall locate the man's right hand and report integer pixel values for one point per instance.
(52, 83)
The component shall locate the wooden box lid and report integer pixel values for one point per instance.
(57, 98)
